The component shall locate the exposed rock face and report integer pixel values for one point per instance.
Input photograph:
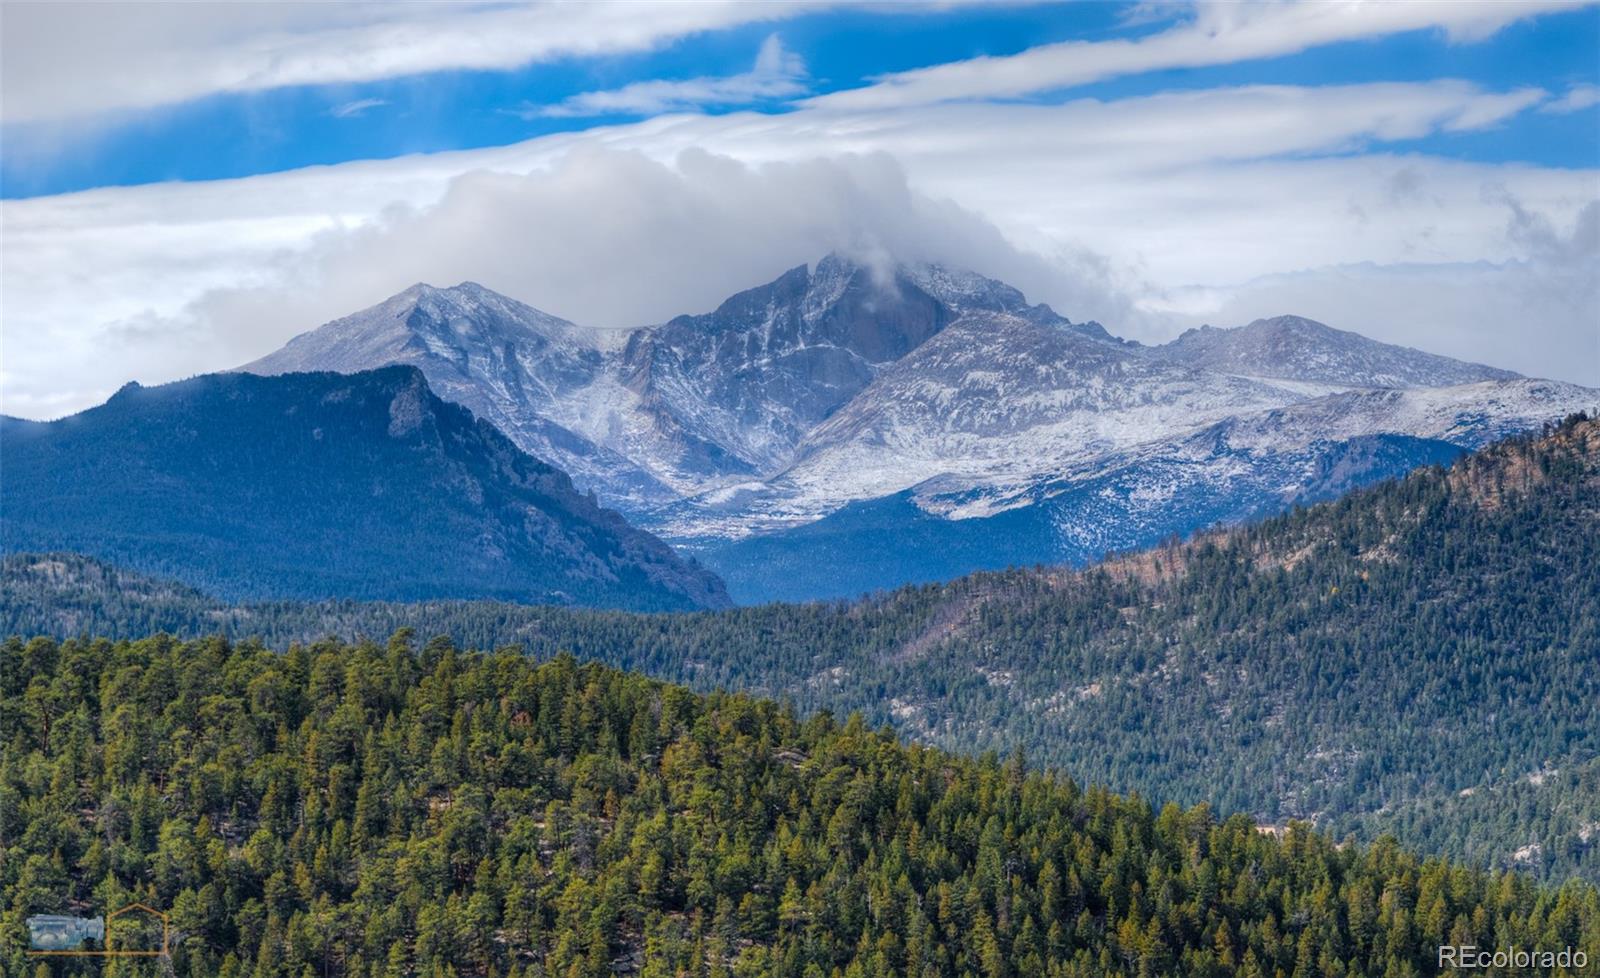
(922, 402)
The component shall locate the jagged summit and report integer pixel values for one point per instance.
(1298, 349)
(675, 407)
(463, 298)
(516, 366)
(932, 399)
(820, 294)
(453, 323)
(731, 394)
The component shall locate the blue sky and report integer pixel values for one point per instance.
(183, 187)
(233, 135)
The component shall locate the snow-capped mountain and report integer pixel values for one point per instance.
(646, 416)
(1305, 351)
(1231, 470)
(733, 392)
(521, 369)
(996, 396)
(849, 426)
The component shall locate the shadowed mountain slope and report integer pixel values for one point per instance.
(325, 485)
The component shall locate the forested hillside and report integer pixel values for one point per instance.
(1428, 643)
(386, 811)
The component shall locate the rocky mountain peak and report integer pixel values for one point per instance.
(423, 321)
(1301, 350)
(849, 380)
(965, 290)
(733, 391)
(1292, 323)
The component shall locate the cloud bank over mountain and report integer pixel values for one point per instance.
(1113, 178)
(606, 237)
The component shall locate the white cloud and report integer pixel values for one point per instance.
(76, 58)
(68, 59)
(614, 238)
(350, 110)
(1535, 314)
(1182, 187)
(1578, 98)
(777, 73)
(1494, 109)
(603, 236)
(1218, 33)
(1105, 210)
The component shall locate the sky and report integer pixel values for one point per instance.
(184, 187)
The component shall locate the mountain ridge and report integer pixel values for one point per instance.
(1295, 348)
(931, 395)
(326, 484)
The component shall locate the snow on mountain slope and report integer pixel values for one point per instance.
(734, 391)
(996, 394)
(997, 412)
(819, 418)
(527, 372)
(949, 526)
(1468, 415)
(994, 397)
(460, 324)
(1302, 350)
(1235, 469)
(645, 416)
